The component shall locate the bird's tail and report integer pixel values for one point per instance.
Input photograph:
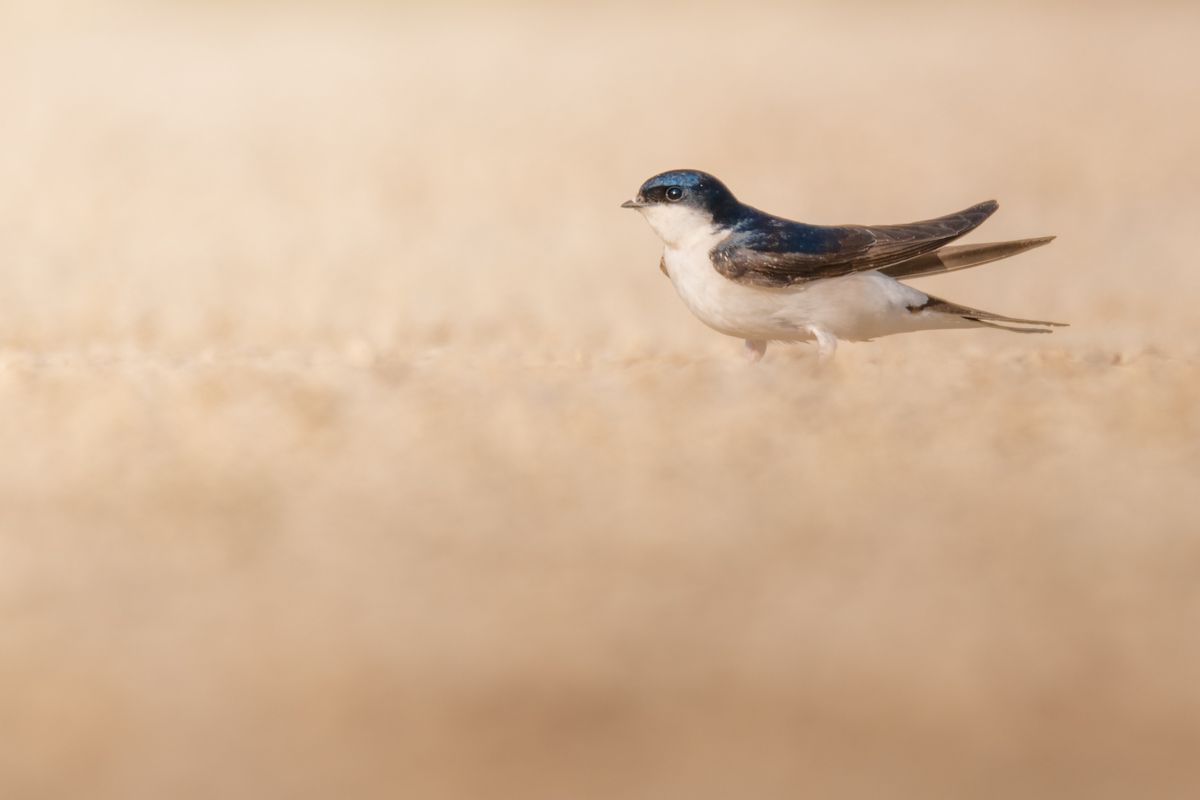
(936, 305)
(962, 256)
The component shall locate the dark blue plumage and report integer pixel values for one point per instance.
(698, 189)
(766, 250)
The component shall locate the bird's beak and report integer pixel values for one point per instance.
(632, 204)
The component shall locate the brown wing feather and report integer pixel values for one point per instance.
(781, 253)
(956, 257)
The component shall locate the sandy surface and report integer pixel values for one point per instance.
(353, 445)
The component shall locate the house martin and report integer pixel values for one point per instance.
(762, 278)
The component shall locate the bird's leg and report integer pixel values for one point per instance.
(826, 344)
(755, 350)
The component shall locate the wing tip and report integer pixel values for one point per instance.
(975, 216)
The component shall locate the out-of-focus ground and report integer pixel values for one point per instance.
(354, 446)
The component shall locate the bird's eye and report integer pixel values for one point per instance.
(674, 194)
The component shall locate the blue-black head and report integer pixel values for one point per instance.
(690, 188)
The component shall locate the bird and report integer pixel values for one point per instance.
(763, 278)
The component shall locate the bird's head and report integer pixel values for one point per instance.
(680, 203)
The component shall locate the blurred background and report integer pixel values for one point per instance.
(354, 445)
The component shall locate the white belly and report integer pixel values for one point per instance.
(859, 306)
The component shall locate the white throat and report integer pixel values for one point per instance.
(678, 226)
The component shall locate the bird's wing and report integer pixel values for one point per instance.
(776, 252)
(962, 256)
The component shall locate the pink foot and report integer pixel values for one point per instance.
(755, 349)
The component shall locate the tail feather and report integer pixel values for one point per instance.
(963, 256)
(937, 305)
(1012, 328)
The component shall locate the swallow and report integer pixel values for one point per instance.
(762, 278)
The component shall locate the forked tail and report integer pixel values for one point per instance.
(936, 305)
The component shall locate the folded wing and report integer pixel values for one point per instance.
(775, 252)
(962, 256)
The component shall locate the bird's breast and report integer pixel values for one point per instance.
(858, 306)
(718, 302)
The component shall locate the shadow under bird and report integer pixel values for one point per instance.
(763, 278)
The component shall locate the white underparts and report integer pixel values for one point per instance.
(678, 226)
(855, 307)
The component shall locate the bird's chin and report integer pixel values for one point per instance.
(676, 224)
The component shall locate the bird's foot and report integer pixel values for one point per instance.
(754, 350)
(826, 344)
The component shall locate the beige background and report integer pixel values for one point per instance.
(352, 445)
